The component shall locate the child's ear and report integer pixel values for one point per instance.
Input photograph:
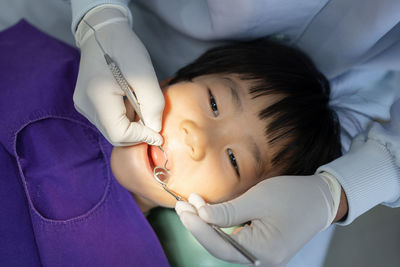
(165, 82)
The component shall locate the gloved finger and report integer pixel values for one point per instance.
(196, 200)
(210, 239)
(140, 134)
(135, 131)
(182, 206)
(226, 214)
(119, 129)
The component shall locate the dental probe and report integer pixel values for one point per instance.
(122, 82)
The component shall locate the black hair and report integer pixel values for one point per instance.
(301, 121)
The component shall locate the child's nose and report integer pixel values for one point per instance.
(195, 139)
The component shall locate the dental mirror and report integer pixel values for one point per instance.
(161, 174)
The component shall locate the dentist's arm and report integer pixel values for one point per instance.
(97, 95)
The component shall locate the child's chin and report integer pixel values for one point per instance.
(169, 206)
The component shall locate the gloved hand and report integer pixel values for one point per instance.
(285, 213)
(97, 95)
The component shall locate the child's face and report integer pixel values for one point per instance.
(203, 135)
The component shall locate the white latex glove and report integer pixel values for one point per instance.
(97, 95)
(286, 212)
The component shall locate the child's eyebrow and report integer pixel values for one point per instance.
(233, 89)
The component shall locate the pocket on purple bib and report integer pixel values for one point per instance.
(65, 171)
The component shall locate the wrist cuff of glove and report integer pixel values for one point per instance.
(99, 17)
(335, 189)
(369, 176)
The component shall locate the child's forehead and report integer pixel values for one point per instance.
(224, 78)
(249, 87)
(237, 84)
(244, 86)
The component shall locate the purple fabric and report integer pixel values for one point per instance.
(59, 202)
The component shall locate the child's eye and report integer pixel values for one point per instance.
(213, 104)
(232, 158)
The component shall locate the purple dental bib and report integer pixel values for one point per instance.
(59, 202)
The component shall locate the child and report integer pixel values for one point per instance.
(239, 114)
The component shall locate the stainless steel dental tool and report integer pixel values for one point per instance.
(161, 174)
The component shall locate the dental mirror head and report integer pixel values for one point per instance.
(161, 174)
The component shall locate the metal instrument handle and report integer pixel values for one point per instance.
(122, 82)
(236, 245)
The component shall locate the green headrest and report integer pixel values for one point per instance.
(181, 248)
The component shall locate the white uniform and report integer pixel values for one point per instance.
(355, 43)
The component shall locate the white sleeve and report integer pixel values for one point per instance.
(360, 97)
(81, 7)
(370, 172)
